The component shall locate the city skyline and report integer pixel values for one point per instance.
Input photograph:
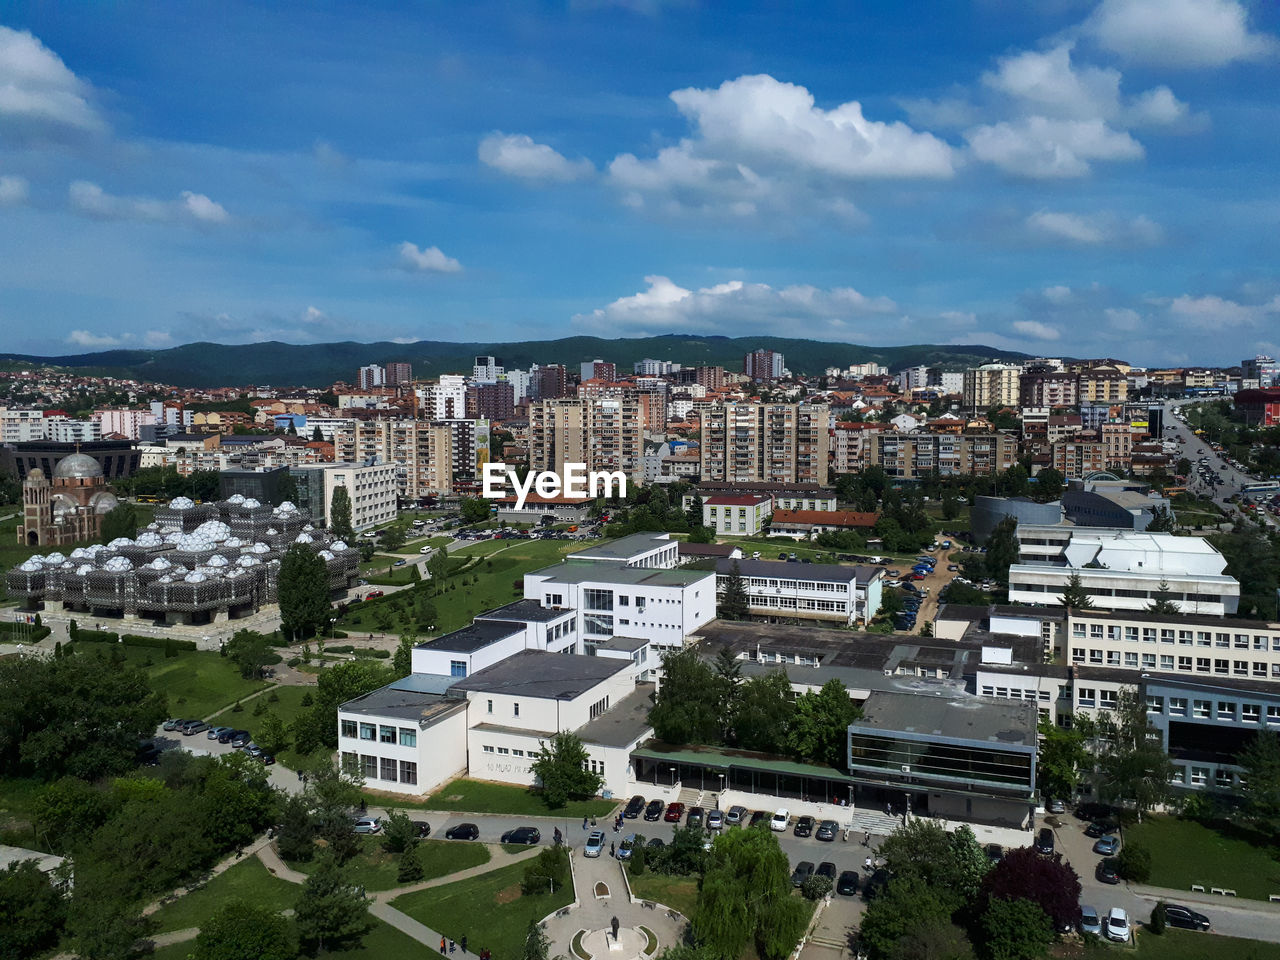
(1080, 179)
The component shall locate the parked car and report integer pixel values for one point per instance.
(995, 852)
(758, 816)
(1107, 872)
(192, 727)
(594, 845)
(525, 835)
(802, 872)
(173, 724)
(227, 735)
(1117, 925)
(626, 846)
(1055, 806)
(827, 869)
(421, 829)
(654, 810)
(253, 750)
(804, 827)
(635, 807)
(695, 818)
(715, 819)
(1107, 845)
(1044, 842)
(655, 842)
(367, 825)
(1176, 915)
(675, 811)
(1090, 922)
(266, 759)
(734, 817)
(1093, 811)
(847, 885)
(216, 732)
(462, 831)
(780, 819)
(827, 830)
(399, 563)
(1100, 828)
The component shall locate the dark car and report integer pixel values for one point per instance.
(635, 807)
(802, 872)
(804, 827)
(675, 813)
(241, 738)
(1044, 842)
(827, 869)
(758, 816)
(462, 831)
(226, 736)
(173, 724)
(995, 852)
(266, 759)
(1107, 872)
(421, 829)
(827, 830)
(1093, 811)
(525, 835)
(654, 810)
(1184, 917)
(696, 816)
(655, 842)
(1100, 828)
(847, 885)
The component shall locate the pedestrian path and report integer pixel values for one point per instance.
(227, 863)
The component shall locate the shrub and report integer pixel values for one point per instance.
(294, 661)
(96, 636)
(306, 700)
(273, 697)
(237, 708)
(815, 887)
(1134, 863)
(1156, 925)
(37, 632)
(552, 864)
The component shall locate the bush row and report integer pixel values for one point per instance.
(133, 640)
(37, 633)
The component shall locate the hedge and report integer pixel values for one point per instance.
(95, 636)
(134, 640)
(36, 634)
(378, 654)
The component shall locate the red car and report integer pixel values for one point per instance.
(373, 593)
(916, 576)
(675, 812)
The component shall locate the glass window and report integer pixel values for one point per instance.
(1107, 699)
(1178, 706)
(387, 734)
(349, 729)
(1222, 777)
(408, 772)
(457, 668)
(1251, 712)
(1087, 696)
(1226, 710)
(388, 769)
(408, 737)
(1155, 704)
(1200, 708)
(350, 762)
(1199, 776)
(368, 767)
(368, 731)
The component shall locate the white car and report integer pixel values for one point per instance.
(780, 820)
(1117, 925)
(425, 550)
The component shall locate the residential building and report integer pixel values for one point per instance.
(655, 368)
(597, 370)
(1117, 444)
(1104, 384)
(125, 421)
(606, 434)
(794, 496)
(446, 399)
(371, 376)
(371, 487)
(783, 591)
(486, 370)
(1042, 386)
(910, 456)
(490, 401)
(991, 385)
(849, 446)
(913, 378)
(1079, 457)
(399, 374)
(423, 452)
(549, 382)
(764, 365)
(742, 515)
(772, 443)
(23, 425)
(73, 431)
(806, 524)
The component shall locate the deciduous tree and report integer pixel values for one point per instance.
(905, 906)
(1132, 761)
(762, 720)
(340, 515)
(562, 770)
(819, 725)
(1002, 550)
(1015, 930)
(33, 911)
(331, 913)
(1063, 755)
(303, 591)
(120, 521)
(1051, 884)
(685, 708)
(242, 931)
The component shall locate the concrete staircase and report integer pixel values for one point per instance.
(690, 797)
(877, 821)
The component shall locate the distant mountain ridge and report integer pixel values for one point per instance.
(320, 364)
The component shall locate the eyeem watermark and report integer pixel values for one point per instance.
(578, 483)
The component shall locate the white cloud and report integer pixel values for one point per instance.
(1178, 33)
(1093, 229)
(959, 318)
(1057, 294)
(1036, 330)
(158, 338)
(38, 94)
(1047, 82)
(1044, 148)
(1124, 319)
(91, 200)
(92, 341)
(428, 260)
(13, 190)
(518, 155)
(735, 305)
(1213, 312)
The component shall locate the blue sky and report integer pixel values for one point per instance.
(1060, 177)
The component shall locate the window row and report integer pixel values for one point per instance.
(1200, 638)
(505, 751)
(381, 768)
(1258, 669)
(379, 733)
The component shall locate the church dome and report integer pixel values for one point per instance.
(104, 502)
(77, 466)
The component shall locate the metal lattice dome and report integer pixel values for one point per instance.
(77, 466)
(215, 530)
(104, 502)
(118, 565)
(181, 503)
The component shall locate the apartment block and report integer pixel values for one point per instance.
(446, 399)
(125, 421)
(1079, 457)
(849, 446)
(911, 456)
(741, 515)
(770, 443)
(421, 451)
(1046, 387)
(991, 385)
(371, 376)
(21, 425)
(1104, 384)
(764, 365)
(603, 433)
(399, 374)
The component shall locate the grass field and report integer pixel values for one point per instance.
(475, 796)
(1184, 852)
(489, 909)
(1185, 945)
(287, 706)
(678, 893)
(414, 546)
(249, 880)
(197, 683)
(383, 942)
(375, 869)
(17, 806)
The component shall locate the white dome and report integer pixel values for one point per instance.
(179, 569)
(338, 546)
(217, 560)
(272, 531)
(54, 558)
(303, 538)
(159, 563)
(149, 539)
(173, 536)
(214, 530)
(181, 503)
(248, 562)
(195, 576)
(236, 498)
(167, 578)
(307, 528)
(118, 565)
(84, 569)
(119, 542)
(325, 555)
(94, 549)
(233, 542)
(80, 553)
(32, 565)
(251, 503)
(259, 548)
(286, 507)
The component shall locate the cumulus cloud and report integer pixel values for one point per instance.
(1044, 148)
(428, 260)
(1096, 229)
(735, 305)
(1124, 319)
(1178, 33)
(1056, 294)
(92, 341)
(13, 190)
(756, 139)
(90, 200)
(158, 338)
(39, 95)
(518, 155)
(1036, 330)
(1212, 312)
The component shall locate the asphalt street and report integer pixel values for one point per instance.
(1193, 448)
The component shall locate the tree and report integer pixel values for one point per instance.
(1162, 521)
(333, 793)
(693, 513)
(1063, 755)
(906, 906)
(271, 735)
(1002, 549)
(763, 715)
(1051, 884)
(548, 871)
(562, 769)
(104, 924)
(1260, 759)
(402, 660)
(536, 942)
(120, 521)
(745, 897)
(1164, 602)
(474, 509)
(242, 931)
(318, 726)
(685, 708)
(1048, 486)
(933, 940)
(331, 913)
(251, 652)
(1131, 758)
(734, 604)
(392, 537)
(69, 810)
(1133, 863)
(1015, 930)
(1158, 918)
(1074, 594)
(398, 831)
(923, 849)
(701, 534)
(340, 515)
(819, 724)
(33, 911)
(297, 837)
(303, 592)
(410, 869)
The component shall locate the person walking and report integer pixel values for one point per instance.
(451, 945)
(584, 823)
(866, 839)
(442, 944)
(464, 943)
(613, 849)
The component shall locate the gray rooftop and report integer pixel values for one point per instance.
(585, 571)
(542, 675)
(402, 703)
(525, 610)
(629, 644)
(791, 570)
(1003, 722)
(624, 548)
(623, 723)
(475, 636)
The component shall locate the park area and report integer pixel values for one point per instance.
(475, 796)
(1184, 852)
(376, 869)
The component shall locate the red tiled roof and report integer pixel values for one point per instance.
(831, 518)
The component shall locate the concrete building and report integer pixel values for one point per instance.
(371, 376)
(446, 399)
(987, 513)
(598, 370)
(486, 370)
(371, 487)
(792, 496)
(1260, 408)
(655, 368)
(117, 458)
(1121, 569)
(910, 456)
(22, 425)
(849, 448)
(603, 433)
(1079, 457)
(73, 431)
(1046, 387)
(764, 365)
(806, 524)
(399, 374)
(771, 443)
(430, 456)
(1121, 504)
(1104, 384)
(125, 421)
(742, 515)
(780, 591)
(991, 385)
(1261, 368)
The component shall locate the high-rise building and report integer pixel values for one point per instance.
(605, 433)
(913, 378)
(911, 456)
(486, 370)
(490, 401)
(549, 382)
(651, 399)
(655, 368)
(770, 443)
(764, 365)
(125, 421)
(422, 452)
(399, 374)
(371, 376)
(1263, 369)
(991, 385)
(597, 370)
(1104, 384)
(23, 424)
(444, 400)
(1043, 386)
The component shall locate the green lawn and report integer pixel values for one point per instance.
(383, 942)
(489, 910)
(376, 869)
(287, 706)
(382, 570)
(414, 546)
(197, 683)
(17, 805)
(678, 893)
(248, 879)
(476, 796)
(1184, 852)
(1186, 945)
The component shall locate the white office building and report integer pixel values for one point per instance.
(781, 590)
(371, 488)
